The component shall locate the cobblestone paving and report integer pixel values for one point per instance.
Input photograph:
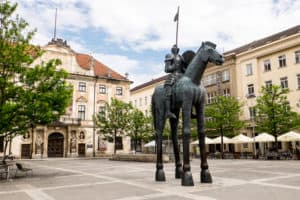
(72, 179)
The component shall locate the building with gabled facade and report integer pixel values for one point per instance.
(74, 134)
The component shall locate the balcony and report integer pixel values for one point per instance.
(70, 121)
(252, 95)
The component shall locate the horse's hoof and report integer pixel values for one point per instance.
(178, 172)
(187, 179)
(205, 176)
(160, 175)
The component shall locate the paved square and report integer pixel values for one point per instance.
(89, 179)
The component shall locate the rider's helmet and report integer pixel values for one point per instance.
(175, 49)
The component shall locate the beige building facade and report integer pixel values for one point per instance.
(274, 60)
(141, 95)
(271, 60)
(74, 134)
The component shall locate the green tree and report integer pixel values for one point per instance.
(141, 127)
(29, 95)
(273, 112)
(116, 120)
(222, 117)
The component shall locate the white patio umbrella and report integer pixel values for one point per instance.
(207, 141)
(217, 140)
(264, 137)
(150, 144)
(289, 136)
(240, 139)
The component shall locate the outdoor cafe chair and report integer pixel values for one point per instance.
(23, 169)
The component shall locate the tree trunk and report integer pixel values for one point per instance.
(9, 147)
(4, 151)
(32, 131)
(115, 148)
(222, 143)
(276, 144)
(135, 142)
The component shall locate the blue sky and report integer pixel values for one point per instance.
(134, 35)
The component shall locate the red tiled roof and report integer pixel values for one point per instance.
(101, 70)
(153, 81)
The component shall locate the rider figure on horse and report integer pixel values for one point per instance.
(175, 65)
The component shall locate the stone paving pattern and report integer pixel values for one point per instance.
(93, 179)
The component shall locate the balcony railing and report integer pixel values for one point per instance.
(70, 121)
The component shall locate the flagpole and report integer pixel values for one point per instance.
(55, 23)
(177, 26)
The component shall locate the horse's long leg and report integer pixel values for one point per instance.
(187, 178)
(174, 128)
(205, 174)
(159, 123)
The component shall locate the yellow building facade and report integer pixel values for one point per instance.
(274, 59)
(75, 135)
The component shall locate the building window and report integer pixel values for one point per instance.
(1, 143)
(268, 83)
(102, 89)
(102, 111)
(141, 101)
(226, 92)
(225, 76)
(210, 97)
(249, 69)
(252, 113)
(298, 80)
(284, 82)
(81, 112)
(251, 90)
(82, 86)
(211, 80)
(119, 91)
(297, 56)
(135, 103)
(146, 101)
(282, 61)
(287, 107)
(267, 65)
(119, 143)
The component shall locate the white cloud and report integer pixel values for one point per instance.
(139, 72)
(144, 24)
(119, 63)
(140, 25)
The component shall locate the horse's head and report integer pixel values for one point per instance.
(211, 54)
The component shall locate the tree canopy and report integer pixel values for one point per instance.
(273, 112)
(222, 117)
(115, 121)
(29, 95)
(141, 127)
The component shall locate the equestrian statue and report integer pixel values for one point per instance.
(185, 93)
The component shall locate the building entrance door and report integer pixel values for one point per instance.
(26, 151)
(56, 145)
(81, 149)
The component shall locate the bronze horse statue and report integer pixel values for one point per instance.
(187, 93)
